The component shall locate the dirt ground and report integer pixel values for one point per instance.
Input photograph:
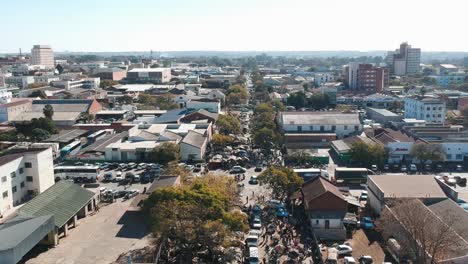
(100, 238)
(364, 244)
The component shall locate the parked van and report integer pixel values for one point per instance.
(253, 256)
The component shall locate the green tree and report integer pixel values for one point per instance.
(220, 140)
(428, 152)
(165, 102)
(107, 83)
(39, 134)
(298, 100)
(126, 99)
(8, 136)
(365, 155)
(237, 94)
(165, 153)
(194, 218)
(228, 124)
(48, 111)
(282, 181)
(146, 99)
(38, 93)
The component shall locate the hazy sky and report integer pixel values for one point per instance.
(262, 25)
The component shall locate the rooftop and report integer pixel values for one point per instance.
(65, 136)
(20, 228)
(318, 186)
(383, 112)
(316, 118)
(194, 139)
(62, 200)
(149, 69)
(408, 186)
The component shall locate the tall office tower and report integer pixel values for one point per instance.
(405, 60)
(365, 77)
(42, 55)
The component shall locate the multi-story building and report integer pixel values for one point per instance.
(366, 77)
(70, 84)
(405, 60)
(42, 55)
(149, 75)
(323, 77)
(114, 74)
(432, 110)
(24, 174)
(448, 80)
(20, 81)
(46, 79)
(11, 110)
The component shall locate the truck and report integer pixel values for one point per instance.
(352, 175)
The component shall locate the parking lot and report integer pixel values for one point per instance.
(117, 228)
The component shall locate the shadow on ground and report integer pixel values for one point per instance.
(133, 225)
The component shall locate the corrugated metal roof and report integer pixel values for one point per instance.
(20, 228)
(63, 200)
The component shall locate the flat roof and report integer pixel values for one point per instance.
(319, 118)
(112, 112)
(101, 144)
(65, 136)
(383, 112)
(408, 186)
(149, 69)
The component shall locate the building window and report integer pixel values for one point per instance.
(22, 184)
(333, 128)
(29, 178)
(449, 156)
(5, 194)
(345, 127)
(322, 128)
(13, 190)
(21, 170)
(4, 179)
(316, 222)
(299, 128)
(311, 128)
(13, 174)
(356, 128)
(459, 156)
(28, 165)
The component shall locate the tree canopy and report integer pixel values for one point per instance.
(237, 94)
(315, 101)
(26, 128)
(365, 155)
(282, 181)
(164, 153)
(428, 152)
(228, 124)
(196, 218)
(48, 111)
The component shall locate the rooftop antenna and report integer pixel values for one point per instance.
(20, 52)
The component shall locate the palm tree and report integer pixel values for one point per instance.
(48, 111)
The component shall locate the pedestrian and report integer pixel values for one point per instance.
(247, 199)
(253, 194)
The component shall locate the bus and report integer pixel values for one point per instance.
(310, 173)
(354, 175)
(90, 173)
(71, 148)
(95, 136)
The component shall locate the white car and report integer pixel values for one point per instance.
(257, 224)
(344, 249)
(349, 260)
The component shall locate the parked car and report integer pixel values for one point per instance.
(364, 196)
(256, 224)
(386, 167)
(374, 168)
(238, 169)
(396, 167)
(459, 167)
(439, 167)
(253, 180)
(366, 223)
(251, 241)
(275, 204)
(344, 249)
(413, 168)
(403, 168)
(108, 177)
(282, 212)
(349, 260)
(258, 169)
(198, 167)
(141, 166)
(256, 211)
(136, 178)
(145, 178)
(365, 260)
(118, 176)
(428, 167)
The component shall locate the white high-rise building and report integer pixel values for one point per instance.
(430, 109)
(42, 55)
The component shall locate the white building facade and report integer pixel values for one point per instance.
(429, 109)
(24, 175)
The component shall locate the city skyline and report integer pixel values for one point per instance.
(184, 25)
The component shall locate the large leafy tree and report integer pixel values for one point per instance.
(26, 128)
(364, 154)
(237, 94)
(196, 218)
(228, 124)
(428, 152)
(165, 153)
(282, 181)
